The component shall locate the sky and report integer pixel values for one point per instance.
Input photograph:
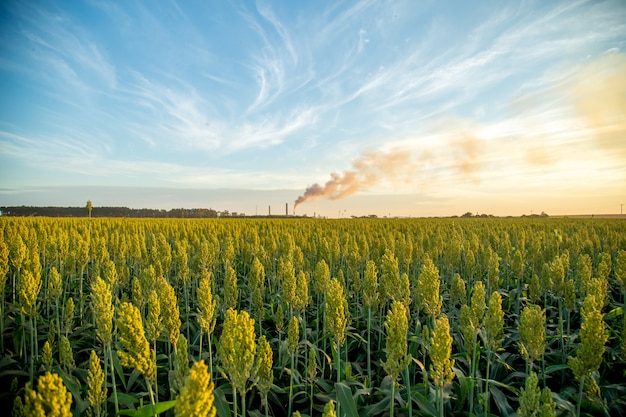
(349, 108)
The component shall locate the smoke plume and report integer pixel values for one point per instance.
(398, 167)
(367, 171)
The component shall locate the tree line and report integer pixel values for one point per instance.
(108, 212)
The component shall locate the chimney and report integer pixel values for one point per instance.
(269, 210)
(286, 209)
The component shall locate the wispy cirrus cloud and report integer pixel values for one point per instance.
(465, 91)
(189, 120)
(56, 41)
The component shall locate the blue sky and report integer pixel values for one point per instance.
(409, 108)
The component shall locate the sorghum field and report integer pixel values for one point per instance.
(367, 317)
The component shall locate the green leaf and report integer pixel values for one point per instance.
(501, 402)
(221, 405)
(465, 386)
(73, 386)
(126, 400)
(614, 313)
(556, 368)
(146, 410)
(134, 375)
(119, 370)
(344, 397)
(424, 403)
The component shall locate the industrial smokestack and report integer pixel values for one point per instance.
(286, 209)
(269, 210)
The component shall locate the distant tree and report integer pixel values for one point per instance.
(89, 207)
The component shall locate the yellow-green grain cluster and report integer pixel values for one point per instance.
(265, 362)
(169, 310)
(135, 352)
(534, 402)
(458, 292)
(66, 354)
(55, 285)
(154, 320)
(440, 353)
(102, 306)
(370, 285)
(50, 399)
(396, 327)
(329, 409)
(196, 396)
(96, 391)
(46, 356)
(427, 289)
(293, 335)
(493, 322)
(206, 303)
(30, 285)
(321, 277)
(237, 347)
(532, 332)
(336, 313)
(593, 337)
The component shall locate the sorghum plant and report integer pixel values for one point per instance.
(102, 308)
(370, 301)
(135, 352)
(532, 334)
(593, 337)
(96, 392)
(440, 353)
(196, 395)
(493, 326)
(293, 339)
(207, 306)
(50, 399)
(534, 402)
(236, 350)
(265, 361)
(396, 326)
(427, 289)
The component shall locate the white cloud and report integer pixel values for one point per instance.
(307, 85)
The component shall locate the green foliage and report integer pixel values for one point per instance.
(593, 337)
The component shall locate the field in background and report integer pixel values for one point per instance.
(342, 282)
